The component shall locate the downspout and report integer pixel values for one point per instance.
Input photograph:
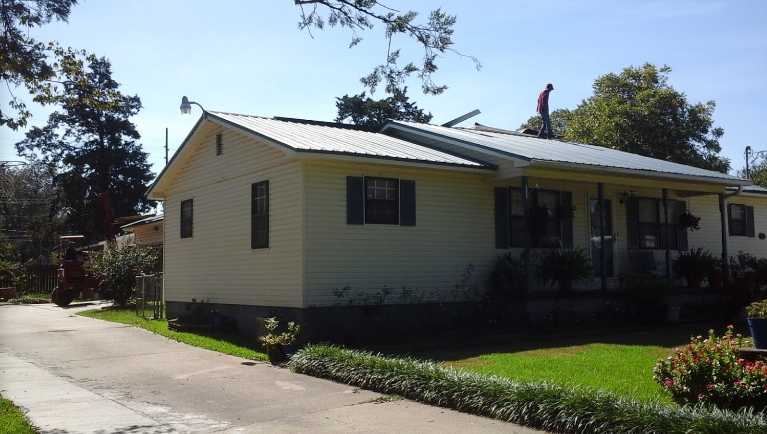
(722, 215)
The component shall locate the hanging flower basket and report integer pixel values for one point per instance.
(689, 221)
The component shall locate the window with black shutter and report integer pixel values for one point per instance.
(740, 220)
(187, 218)
(647, 229)
(549, 223)
(259, 215)
(381, 201)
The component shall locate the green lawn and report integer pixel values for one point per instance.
(623, 369)
(618, 360)
(12, 420)
(227, 344)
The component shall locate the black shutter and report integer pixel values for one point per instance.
(406, 202)
(502, 218)
(729, 219)
(187, 218)
(259, 220)
(566, 218)
(632, 222)
(355, 200)
(750, 221)
(682, 231)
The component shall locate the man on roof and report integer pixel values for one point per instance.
(543, 110)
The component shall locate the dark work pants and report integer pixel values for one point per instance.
(545, 131)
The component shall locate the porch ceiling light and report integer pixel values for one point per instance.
(186, 105)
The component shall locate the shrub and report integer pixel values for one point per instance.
(539, 405)
(117, 269)
(757, 309)
(564, 267)
(694, 265)
(709, 371)
(272, 338)
(508, 278)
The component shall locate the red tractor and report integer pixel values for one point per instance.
(73, 277)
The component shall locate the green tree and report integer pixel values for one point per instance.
(757, 172)
(638, 111)
(25, 61)
(434, 35)
(93, 142)
(28, 213)
(372, 114)
(117, 269)
(558, 122)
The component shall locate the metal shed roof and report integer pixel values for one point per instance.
(322, 138)
(533, 149)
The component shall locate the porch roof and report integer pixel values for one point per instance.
(533, 150)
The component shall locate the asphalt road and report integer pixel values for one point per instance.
(79, 375)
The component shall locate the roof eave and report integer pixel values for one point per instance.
(377, 159)
(643, 173)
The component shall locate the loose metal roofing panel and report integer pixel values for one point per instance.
(309, 137)
(534, 149)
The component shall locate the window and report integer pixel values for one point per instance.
(647, 227)
(187, 218)
(550, 219)
(740, 220)
(649, 223)
(219, 144)
(259, 215)
(382, 201)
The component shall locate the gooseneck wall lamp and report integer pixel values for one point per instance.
(186, 105)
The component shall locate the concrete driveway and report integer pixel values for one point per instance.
(75, 374)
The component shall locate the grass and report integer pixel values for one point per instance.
(616, 361)
(623, 369)
(541, 405)
(227, 344)
(32, 298)
(12, 420)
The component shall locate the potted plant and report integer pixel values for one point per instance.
(694, 265)
(275, 342)
(689, 221)
(564, 267)
(756, 315)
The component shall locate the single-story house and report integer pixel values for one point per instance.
(147, 231)
(323, 222)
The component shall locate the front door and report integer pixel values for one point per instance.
(598, 229)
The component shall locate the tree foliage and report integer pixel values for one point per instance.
(117, 269)
(94, 143)
(372, 114)
(29, 219)
(435, 36)
(25, 60)
(638, 111)
(558, 122)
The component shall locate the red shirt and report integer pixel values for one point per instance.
(543, 101)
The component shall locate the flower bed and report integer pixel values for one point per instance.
(712, 371)
(538, 405)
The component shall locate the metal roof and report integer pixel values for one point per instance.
(147, 220)
(307, 136)
(533, 149)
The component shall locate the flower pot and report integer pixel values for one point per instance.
(276, 355)
(758, 327)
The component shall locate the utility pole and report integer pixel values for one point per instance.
(748, 160)
(166, 148)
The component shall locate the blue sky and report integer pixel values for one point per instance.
(250, 57)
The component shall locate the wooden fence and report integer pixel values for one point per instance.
(41, 279)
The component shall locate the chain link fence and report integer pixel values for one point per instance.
(149, 296)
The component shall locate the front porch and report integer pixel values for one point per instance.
(627, 225)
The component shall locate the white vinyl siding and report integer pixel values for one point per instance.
(217, 264)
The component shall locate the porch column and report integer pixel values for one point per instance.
(602, 257)
(725, 255)
(667, 228)
(528, 237)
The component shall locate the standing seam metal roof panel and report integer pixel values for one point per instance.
(533, 148)
(310, 137)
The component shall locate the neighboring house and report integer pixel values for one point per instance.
(145, 232)
(321, 222)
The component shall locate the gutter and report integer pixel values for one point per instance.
(734, 193)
